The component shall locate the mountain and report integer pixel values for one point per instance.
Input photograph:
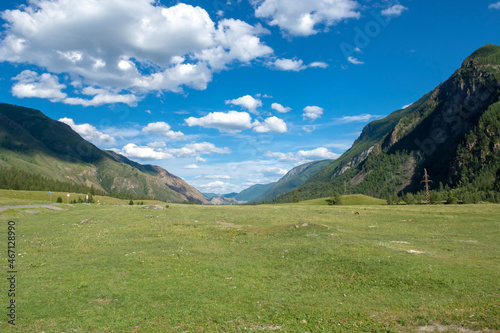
(452, 131)
(253, 192)
(293, 179)
(32, 142)
(209, 196)
(221, 200)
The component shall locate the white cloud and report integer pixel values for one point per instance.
(162, 128)
(214, 177)
(282, 157)
(88, 132)
(192, 166)
(248, 102)
(312, 112)
(134, 45)
(200, 159)
(303, 156)
(395, 10)
(217, 187)
(101, 97)
(272, 171)
(156, 151)
(317, 154)
(271, 124)
(301, 18)
(318, 64)
(288, 65)
(494, 5)
(280, 108)
(355, 61)
(406, 106)
(197, 149)
(230, 122)
(157, 144)
(30, 84)
(365, 117)
(133, 151)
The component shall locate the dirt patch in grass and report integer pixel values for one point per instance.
(443, 328)
(225, 223)
(415, 252)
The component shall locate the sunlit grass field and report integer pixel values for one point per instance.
(280, 268)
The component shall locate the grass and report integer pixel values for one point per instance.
(347, 200)
(13, 198)
(286, 268)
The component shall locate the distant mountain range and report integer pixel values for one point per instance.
(452, 131)
(34, 143)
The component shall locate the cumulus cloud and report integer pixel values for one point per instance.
(494, 5)
(302, 156)
(158, 152)
(101, 97)
(355, 61)
(394, 11)
(365, 117)
(318, 64)
(280, 108)
(162, 128)
(88, 132)
(217, 187)
(192, 166)
(272, 171)
(317, 154)
(133, 151)
(248, 102)
(214, 177)
(30, 84)
(302, 18)
(271, 124)
(312, 112)
(196, 149)
(288, 65)
(136, 46)
(230, 122)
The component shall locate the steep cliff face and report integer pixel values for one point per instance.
(453, 132)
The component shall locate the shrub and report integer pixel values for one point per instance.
(59, 200)
(335, 199)
(436, 198)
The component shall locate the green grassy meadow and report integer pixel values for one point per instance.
(348, 200)
(281, 268)
(13, 198)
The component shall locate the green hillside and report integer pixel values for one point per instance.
(254, 192)
(453, 132)
(33, 143)
(293, 179)
(347, 200)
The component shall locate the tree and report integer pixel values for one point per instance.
(59, 200)
(451, 200)
(91, 191)
(131, 203)
(435, 198)
(296, 196)
(409, 199)
(335, 199)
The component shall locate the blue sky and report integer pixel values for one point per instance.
(228, 93)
